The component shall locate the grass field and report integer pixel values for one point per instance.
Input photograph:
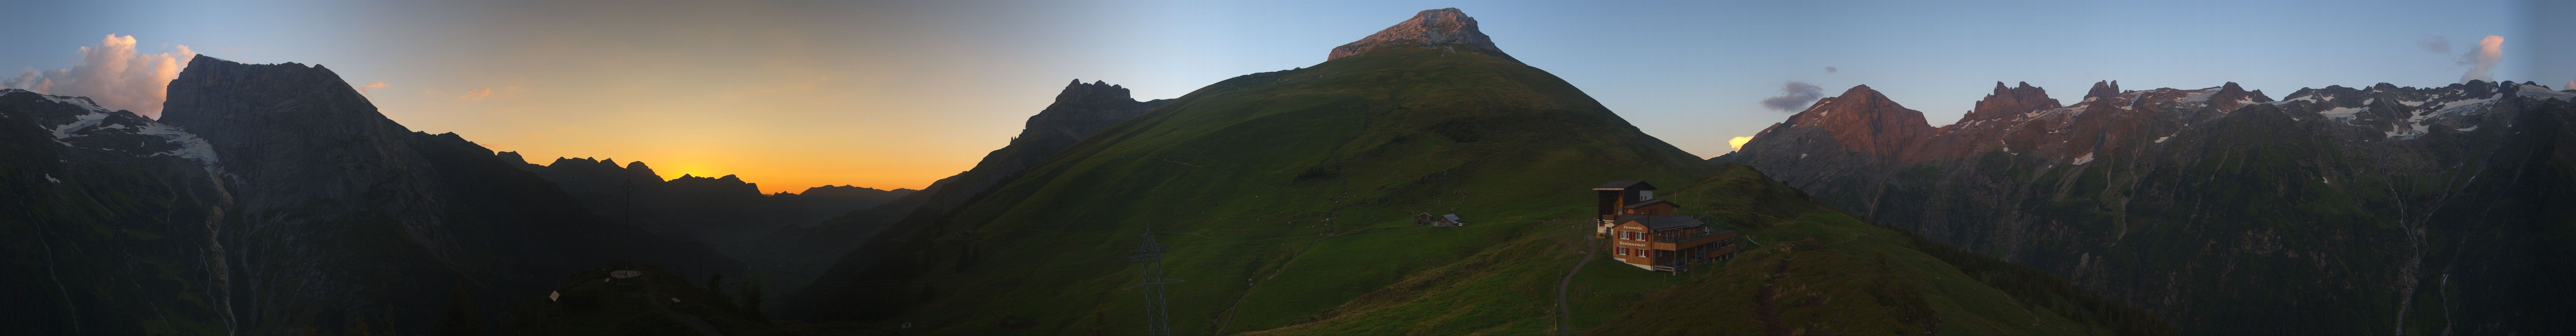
(1285, 198)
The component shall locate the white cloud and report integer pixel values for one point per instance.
(362, 89)
(476, 94)
(1738, 142)
(114, 74)
(2490, 51)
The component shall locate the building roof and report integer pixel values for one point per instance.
(1660, 223)
(1648, 202)
(1625, 185)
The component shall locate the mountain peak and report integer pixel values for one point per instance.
(2007, 101)
(2103, 89)
(2230, 96)
(1429, 28)
(1096, 92)
(1864, 120)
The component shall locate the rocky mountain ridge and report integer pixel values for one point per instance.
(708, 208)
(1078, 112)
(111, 222)
(275, 199)
(1447, 28)
(2354, 204)
(1303, 182)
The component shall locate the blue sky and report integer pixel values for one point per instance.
(895, 94)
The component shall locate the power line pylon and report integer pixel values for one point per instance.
(1157, 317)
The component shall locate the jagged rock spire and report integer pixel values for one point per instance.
(1430, 28)
(2103, 89)
(1096, 92)
(2008, 101)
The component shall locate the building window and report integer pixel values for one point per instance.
(1623, 251)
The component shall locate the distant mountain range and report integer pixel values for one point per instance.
(1302, 183)
(2338, 210)
(274, 199)
(714, 209)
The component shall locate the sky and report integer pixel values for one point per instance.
(892, 94)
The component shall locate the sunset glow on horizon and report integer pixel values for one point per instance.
(892, 95)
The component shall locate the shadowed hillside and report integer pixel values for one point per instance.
(1285, 198)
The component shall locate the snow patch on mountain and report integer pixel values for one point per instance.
(80, 122)
(2543, 93)
(2200, 96)
(188, 146)
(191, 147)
(2343, 115)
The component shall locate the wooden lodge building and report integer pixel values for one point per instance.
(1644, 232)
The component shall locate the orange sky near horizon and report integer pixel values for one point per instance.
(898, 94)
(785, 104)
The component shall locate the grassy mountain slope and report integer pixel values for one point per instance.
(1285, 198)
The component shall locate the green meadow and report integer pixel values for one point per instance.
(1285, 199)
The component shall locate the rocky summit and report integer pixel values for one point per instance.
(275, 199)
(1446, 28)
(2339, 210)
(1303, 184)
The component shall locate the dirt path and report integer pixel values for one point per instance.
(1766, 301)
(1565, 318)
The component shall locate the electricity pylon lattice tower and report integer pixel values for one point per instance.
(1157, 317)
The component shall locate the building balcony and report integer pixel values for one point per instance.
(1692, 238)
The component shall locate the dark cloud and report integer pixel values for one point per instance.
(2435, 44)
(1794, 96)
(1832, 70)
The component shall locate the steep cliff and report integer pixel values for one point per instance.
(110, 223)
(332, 219)
(2338, 210)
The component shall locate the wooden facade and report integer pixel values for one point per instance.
(1615, 198)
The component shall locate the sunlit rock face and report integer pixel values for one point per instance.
(2363, 208)
(1437, 28)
